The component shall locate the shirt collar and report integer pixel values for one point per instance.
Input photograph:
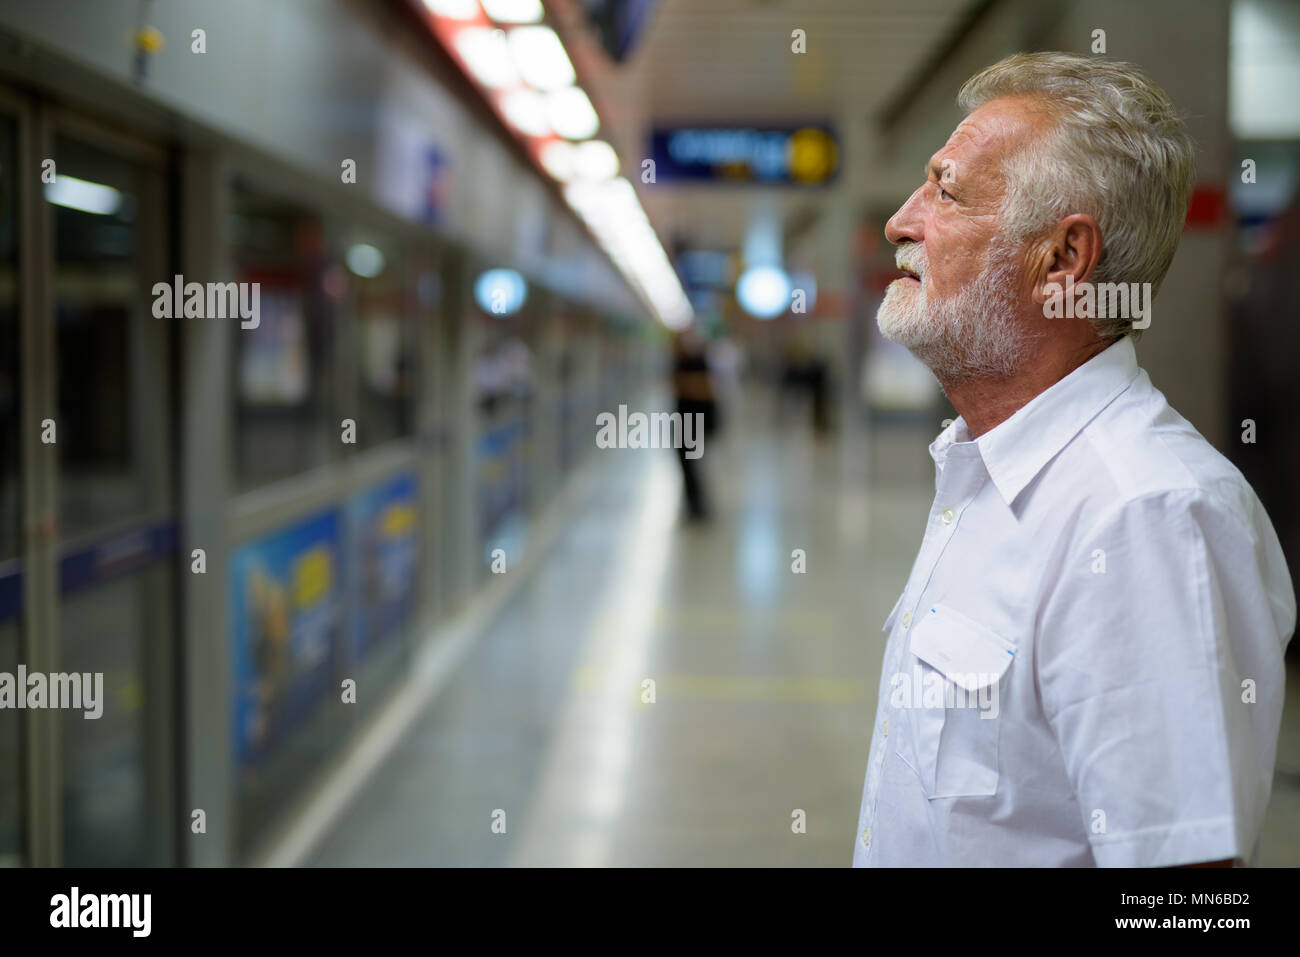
(1015, 451)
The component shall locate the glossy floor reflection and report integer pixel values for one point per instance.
(764, 679)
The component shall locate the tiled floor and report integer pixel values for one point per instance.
(763, 679)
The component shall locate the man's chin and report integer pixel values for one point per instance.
(918, 335)
(897, 326)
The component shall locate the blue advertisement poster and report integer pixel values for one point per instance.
(387, 545)
(504, 474)
(286, 620)
(494, 485)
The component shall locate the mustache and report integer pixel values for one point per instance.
(911, 258)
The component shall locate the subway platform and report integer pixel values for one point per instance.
(654, 692)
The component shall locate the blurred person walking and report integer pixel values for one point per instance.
(693, 391)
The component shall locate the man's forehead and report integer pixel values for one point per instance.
(986, 135)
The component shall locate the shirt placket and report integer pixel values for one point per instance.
(957, 480)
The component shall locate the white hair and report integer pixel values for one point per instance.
(1117, 152)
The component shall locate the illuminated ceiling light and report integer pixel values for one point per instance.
(588, 195)
(514, 11)
(596, 159)
(364, 260)
(613, 212)
(764, 292)
(677, 315)
(584, 197)
(486, 55)
(540, 57)
(526, 112)
(559, 160)
(644, 246)
(83, 195)
(453, 9)
(636, 228)
(610, 206)
(500, 292)
(619, 197)
(572, 114)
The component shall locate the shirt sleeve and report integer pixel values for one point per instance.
(1159, 662)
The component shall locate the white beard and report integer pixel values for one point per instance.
(967, 336)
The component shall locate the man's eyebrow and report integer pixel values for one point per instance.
(934, 169)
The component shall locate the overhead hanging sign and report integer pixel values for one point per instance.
(795, 155)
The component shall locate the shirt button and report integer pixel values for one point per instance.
(947, 516)
(866, 837)
(884, 729)
(907, 619)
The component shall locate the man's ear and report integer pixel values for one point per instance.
(1070, 251)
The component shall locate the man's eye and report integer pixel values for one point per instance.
(944, 194)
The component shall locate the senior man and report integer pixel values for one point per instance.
(1086, 664)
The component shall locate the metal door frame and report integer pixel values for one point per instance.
(40, 121)
(38, 551)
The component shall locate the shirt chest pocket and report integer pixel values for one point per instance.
(950, 703)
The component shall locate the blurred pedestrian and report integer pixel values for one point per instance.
(693, 391)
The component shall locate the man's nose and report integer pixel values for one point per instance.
(906, 224)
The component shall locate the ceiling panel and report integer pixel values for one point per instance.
(712, 57)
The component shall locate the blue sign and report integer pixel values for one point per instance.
(800, 156)
(286, 621)
(504, 454)
(386, 537)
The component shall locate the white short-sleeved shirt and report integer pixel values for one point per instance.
(1086, 665)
